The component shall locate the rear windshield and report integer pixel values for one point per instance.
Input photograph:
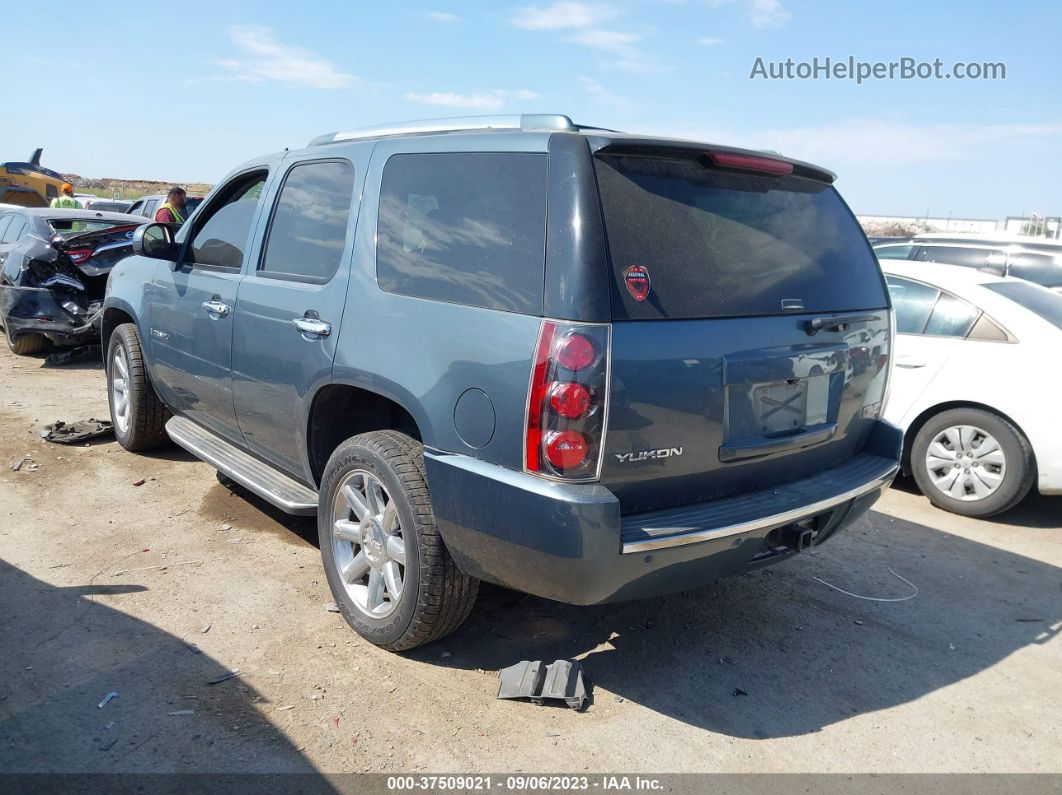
(1038, 300)
(720, 245)
(68, 227)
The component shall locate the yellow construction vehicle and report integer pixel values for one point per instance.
(29, 184)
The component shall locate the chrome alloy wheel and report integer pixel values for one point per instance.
(367, 544)
(966, 463)
(120, 388)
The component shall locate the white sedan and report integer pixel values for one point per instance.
(976, 385)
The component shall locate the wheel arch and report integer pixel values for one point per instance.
(927, 414)
(115, 315)
(340, 410)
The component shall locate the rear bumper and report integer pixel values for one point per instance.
(570, 543)
(37, 310)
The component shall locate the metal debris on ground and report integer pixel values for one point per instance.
(76, 432)
(562, 680)
(17, 465)
(83, 353)
(874, 598)
(332, 607)
(224, 677)
(107, 699)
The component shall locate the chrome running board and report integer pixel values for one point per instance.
(286, 493)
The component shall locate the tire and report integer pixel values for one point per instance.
(434, 597)
(26, 344)
(984, 483)
(143, 424)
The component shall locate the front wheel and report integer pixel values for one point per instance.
(387, 567)
(972, 462)
(138, 416)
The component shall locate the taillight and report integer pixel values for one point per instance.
(79, 255)
(567, 402)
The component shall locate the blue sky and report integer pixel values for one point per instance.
(143, 91)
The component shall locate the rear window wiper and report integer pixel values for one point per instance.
(837, 323)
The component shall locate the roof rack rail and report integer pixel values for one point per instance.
(526, 121)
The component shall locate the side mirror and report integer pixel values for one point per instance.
(155, 241)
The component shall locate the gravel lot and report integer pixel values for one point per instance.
(152, 591)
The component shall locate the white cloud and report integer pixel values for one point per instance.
(583, 21)
(561, 15)
(608, 40)
(709, 41)
(485, 100)
(761, 13)
(603, 96)
(265, 58)
(443, 16)
(767, 13)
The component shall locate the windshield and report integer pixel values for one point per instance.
(68, 227)
(718, 244)
(1038, 300)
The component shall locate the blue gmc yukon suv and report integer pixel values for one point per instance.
(583, 364)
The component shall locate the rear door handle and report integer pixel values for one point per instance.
(312, 326)
(909, 363)
(215, 307)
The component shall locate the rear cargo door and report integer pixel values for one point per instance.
(750, 327)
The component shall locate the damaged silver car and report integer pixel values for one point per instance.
(54, 266)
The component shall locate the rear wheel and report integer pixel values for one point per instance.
(972, 462)
(26, 344)
(389, 571)
(139, 417)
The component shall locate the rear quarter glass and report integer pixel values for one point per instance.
(719, 244)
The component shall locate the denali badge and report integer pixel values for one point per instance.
(636, 277)
(645, 455)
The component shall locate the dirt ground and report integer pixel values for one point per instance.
(153, 591)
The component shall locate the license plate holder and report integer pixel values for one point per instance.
(782, 407)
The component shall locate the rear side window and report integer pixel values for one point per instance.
(14, 232)
(309, 228)
(893, 252)
(1044, 269)
(717, 244)
(1038, 300)
(954, 255)
(912, 303)
(952, 317)
(464, 228)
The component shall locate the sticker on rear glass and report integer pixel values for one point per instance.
(636, 277)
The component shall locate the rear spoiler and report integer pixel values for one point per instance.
(724, 157)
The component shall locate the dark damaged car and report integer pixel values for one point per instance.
(54, 266)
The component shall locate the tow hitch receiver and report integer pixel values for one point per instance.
(800, 537)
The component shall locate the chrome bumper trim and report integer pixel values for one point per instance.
(709, 534)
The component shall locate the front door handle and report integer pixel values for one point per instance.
(216, 307)
(312, 326)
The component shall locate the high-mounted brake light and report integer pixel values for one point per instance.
(567, 402)
(767, 165)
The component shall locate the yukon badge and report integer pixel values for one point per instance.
(636, 277)
(645, 455)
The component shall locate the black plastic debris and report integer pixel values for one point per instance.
(73, 432)
(83, 353)
(562, 680)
